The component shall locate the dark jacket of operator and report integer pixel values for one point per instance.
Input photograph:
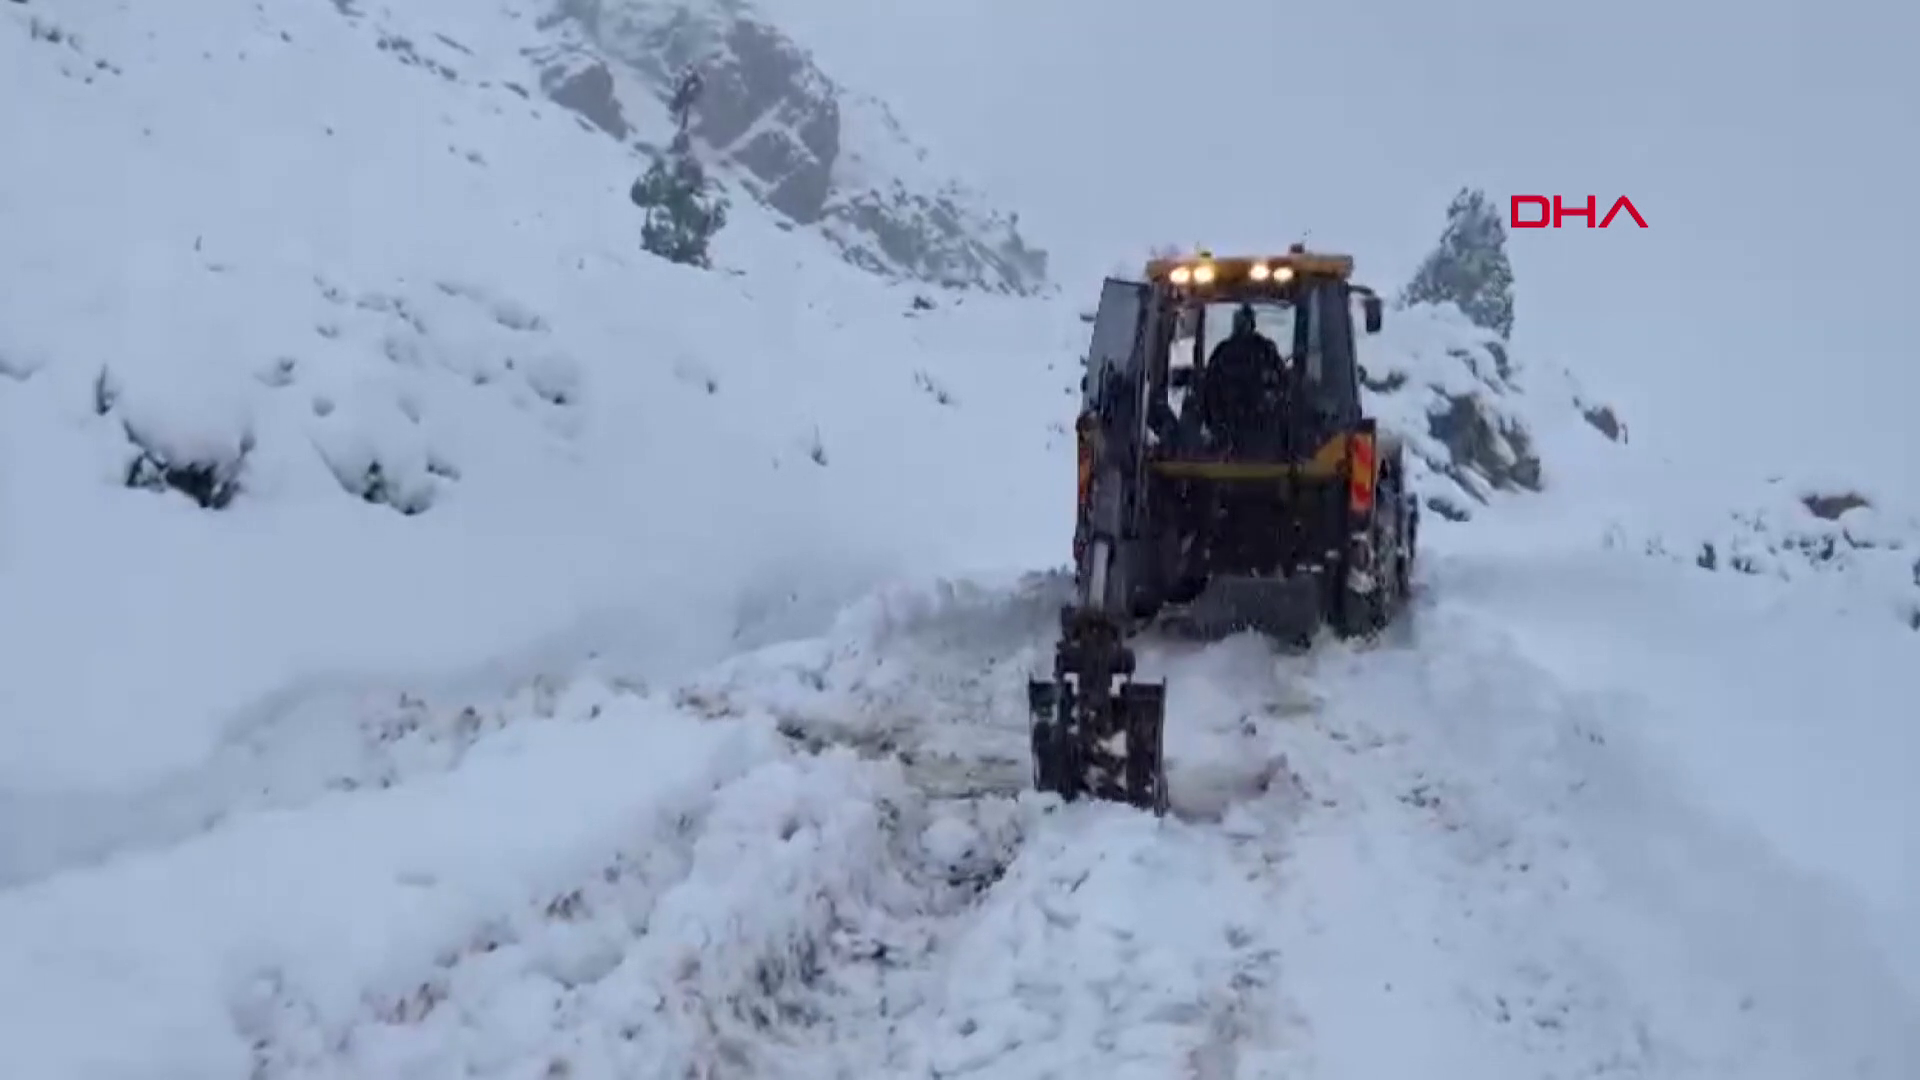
(1243, 392)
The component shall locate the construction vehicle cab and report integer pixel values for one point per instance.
(1314, 377)
(1302, 509)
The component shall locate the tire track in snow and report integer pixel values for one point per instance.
(769, 931)
(1117, 945)
(1463, 867)
(774, 929)
(1113, 942)
(889, 902)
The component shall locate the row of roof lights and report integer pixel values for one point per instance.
(1204, 273)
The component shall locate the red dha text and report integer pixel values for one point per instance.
(1543, 213)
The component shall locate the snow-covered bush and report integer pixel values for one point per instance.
(684, 210)
(1469, 266)
(175, 442)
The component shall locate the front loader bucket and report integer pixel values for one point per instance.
(1104, 746)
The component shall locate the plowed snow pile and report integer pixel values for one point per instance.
(814, 860)
(438, 639)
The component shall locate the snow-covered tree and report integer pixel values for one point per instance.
(1469, 266)
(684, 210)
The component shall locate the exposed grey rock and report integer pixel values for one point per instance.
(1447, 508)
(210, 478)
(769, 111)
(931, 239)
(1468, 436)
(1830, 507)
(1497, 450)
(1604, 420)
(1823, 531)
(587, 90)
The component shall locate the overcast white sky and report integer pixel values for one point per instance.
(1773, 146)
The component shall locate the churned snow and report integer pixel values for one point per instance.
(657, 708)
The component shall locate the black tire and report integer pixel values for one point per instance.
(1410, 545)
(1402, 577)
(1405, 536)
(1359, 615)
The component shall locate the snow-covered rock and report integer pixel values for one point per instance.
(816, 152)
(1864, 549)
(1469, 409)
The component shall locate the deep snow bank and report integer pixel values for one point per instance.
(1603, 887)
(398, 327)
(1776, 711)
(1756, 634)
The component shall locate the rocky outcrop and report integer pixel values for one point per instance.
(1452, 391)
(1831, 506)
(812, 151)
(1484, 449)
(766, 109)
(587, 89)
(1787, 535)
(1605, 421)
(930, 238)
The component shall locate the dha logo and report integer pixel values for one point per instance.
(1550, 213)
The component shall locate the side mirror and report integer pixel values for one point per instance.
(1372, 306)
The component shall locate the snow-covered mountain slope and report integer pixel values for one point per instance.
(613, 727)
(407, 320)
(813, 151)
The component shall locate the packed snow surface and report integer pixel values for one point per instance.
(589, 667)
(816, 859)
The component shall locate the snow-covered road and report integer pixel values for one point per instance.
(818, 860)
